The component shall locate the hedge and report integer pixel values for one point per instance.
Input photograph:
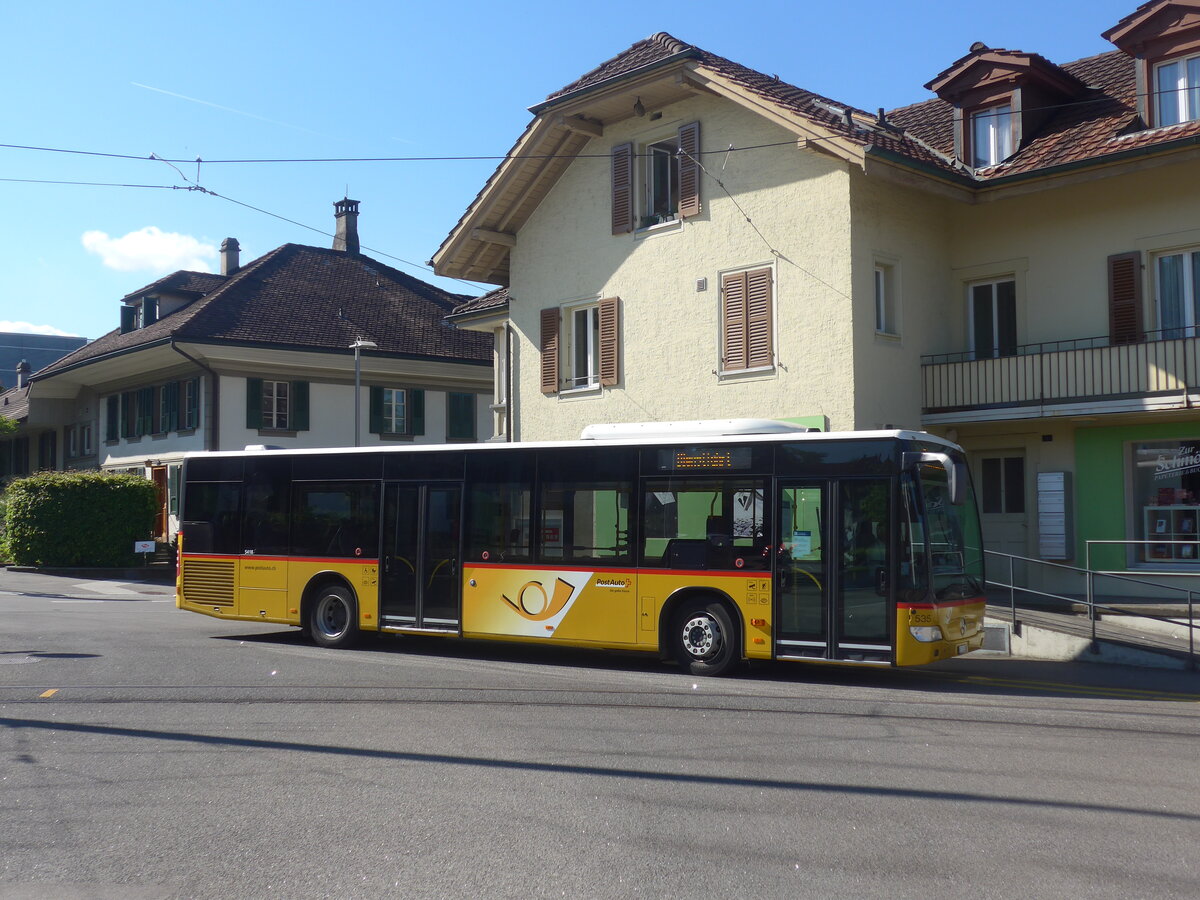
(78, 519)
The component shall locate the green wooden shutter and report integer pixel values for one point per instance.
(376, 410)
(112, 418)
(172, 407)
(128, 425)
(298, 414)
(145, 421)
(191, 413)
(416, 411)
(460, 417)
(128, 319)
(254, 392)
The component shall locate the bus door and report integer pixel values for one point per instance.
(419, 556)
(833, 571)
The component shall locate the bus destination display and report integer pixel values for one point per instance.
(703, 459)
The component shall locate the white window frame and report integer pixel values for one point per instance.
(887, 298)
(667, 146)
(576, 378)
(1180, 102)
(276, 396)
(390, 421)
(991, 135)
(72, 441)
(1190, 283)
(85, 439)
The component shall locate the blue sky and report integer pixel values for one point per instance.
(307, 80)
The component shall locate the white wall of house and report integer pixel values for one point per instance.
(904, 232)
(331, 418)
(797, 198)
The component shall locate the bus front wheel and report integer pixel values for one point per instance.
(333, 618)
(704, 639)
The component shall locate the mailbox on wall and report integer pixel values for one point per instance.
(1056, 539)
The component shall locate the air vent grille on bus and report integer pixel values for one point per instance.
(208, 582)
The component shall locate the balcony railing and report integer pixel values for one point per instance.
(1060, 372)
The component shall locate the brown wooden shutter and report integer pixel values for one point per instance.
(622, 189)
(733, 321)
(610, 344)
(689, 170)
(747, 311)
(760, 348)
(549, 347)
(1125, 297)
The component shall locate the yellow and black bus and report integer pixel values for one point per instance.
(704, 547)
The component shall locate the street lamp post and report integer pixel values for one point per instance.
(358, 346)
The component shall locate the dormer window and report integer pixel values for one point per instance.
(1177, 91)
(991, 136)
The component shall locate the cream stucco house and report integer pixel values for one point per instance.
(1014, 264)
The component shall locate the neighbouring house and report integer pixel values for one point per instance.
(1014, 264)
(294, 349)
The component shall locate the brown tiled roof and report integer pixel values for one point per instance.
(1100, 122)
(299, 297)
(497, 299)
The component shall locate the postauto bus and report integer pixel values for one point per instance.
(706, 543)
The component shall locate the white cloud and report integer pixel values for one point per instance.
(150, 249)
(30, 328)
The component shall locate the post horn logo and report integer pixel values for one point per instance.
(535, 604)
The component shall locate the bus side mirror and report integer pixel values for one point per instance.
(957, 478)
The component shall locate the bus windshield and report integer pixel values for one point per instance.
(951, 536)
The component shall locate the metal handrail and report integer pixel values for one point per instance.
(1088, 343)
(1090, 596)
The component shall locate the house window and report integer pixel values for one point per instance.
(392, 406)
(1177, 91)
(397, 411)
(460, 417)
(1002, 484)
(85, 439)
(1177, 291)
(580, 346)
(275, 405)
(583, 346)
(747, 320)
(72, 441)
(885, 299)
(991, 136)
(660, 183)
(992, 310)
(112, 418)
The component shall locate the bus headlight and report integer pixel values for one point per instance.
(926, 634)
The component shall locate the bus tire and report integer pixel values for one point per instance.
(333, 617)
(704, 639)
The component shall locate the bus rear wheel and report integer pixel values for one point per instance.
(333, 618)
(704, 640)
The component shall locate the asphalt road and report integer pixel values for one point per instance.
(151, 753)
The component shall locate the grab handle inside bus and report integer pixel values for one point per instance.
(956, 471)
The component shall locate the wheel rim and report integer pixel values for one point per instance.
(333, 617)
(702, 637)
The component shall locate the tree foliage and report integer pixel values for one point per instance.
(78, 518)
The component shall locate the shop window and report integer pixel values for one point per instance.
(1166, 490)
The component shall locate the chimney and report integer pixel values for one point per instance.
(229, 256)
(22, 373)
(345, 213)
